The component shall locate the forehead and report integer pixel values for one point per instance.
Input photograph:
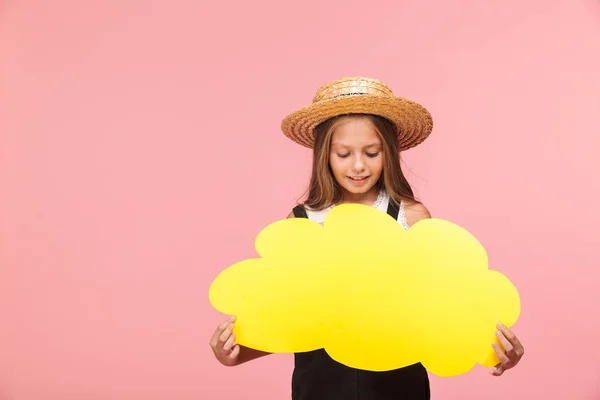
(355, 132)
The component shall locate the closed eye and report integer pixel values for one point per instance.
(372, 155)
(343, 155)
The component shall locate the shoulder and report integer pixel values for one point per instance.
(297, 211)
(414, 212)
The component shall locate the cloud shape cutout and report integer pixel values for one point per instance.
(374, 296)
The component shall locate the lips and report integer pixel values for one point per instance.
(358, 180)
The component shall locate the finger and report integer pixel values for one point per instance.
(509, 349)
(501, 356)
(229, 343)
(509, 335)
(217, 333)
(225, 335)
(235, 352)
(513, 339)
(507, 332)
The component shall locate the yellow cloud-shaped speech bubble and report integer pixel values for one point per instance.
(374, 296)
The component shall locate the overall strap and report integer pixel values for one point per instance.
(392, 210)
(299, 212)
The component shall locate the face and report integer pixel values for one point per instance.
(356, 158)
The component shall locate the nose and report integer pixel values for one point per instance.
(359, 164)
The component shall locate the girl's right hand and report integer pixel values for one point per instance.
(223, 344)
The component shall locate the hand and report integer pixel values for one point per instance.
(223, 344)
(513, 350)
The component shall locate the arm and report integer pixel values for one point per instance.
(512, 350)
(226, 350)
(248, 354)
(415, 212)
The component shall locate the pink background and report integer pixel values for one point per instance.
(133, 134)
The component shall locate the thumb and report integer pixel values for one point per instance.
(497, 370)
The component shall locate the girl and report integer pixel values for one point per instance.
(357, 128)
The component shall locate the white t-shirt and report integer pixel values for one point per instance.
(381, 203)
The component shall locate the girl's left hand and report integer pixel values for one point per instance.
(513, 350)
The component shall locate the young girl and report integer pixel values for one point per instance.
(357, 128)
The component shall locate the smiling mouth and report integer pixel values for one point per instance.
(358, 178)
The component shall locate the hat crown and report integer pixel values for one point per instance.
(352, 87)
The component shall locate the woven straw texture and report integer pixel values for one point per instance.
(359, 95)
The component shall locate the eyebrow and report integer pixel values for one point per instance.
(375, 144)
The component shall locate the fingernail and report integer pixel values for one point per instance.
(501, 326)
(232, 318)
(498, 333)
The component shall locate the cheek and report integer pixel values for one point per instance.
(377, 165)
(337, 165)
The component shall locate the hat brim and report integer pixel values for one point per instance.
(413, 122)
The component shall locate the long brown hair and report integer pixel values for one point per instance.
(324, 190)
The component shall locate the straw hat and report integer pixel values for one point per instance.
(359, 95)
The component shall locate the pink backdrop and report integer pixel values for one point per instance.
(133, 134)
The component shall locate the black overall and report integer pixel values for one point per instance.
(318, 377)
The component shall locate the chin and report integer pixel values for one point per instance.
(359, 190)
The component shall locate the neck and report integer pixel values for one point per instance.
(367, 198)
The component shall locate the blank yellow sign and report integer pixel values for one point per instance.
(375, 296)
